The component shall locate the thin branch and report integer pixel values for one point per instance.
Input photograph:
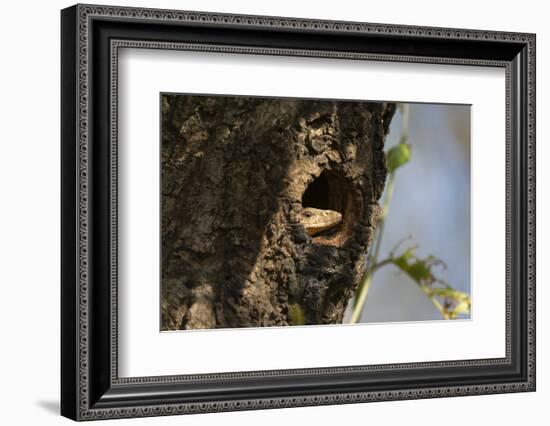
(366, 280)
(372, 260)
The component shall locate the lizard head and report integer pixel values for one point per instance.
(318, 220)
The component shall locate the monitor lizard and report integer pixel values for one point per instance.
(317, 220)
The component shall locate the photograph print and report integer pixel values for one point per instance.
(310, 212)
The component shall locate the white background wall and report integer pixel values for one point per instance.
(29, 225)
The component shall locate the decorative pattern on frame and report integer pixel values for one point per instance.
(85, 14)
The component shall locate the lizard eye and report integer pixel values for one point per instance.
(307, 214)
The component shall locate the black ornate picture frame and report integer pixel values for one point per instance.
(90, 385)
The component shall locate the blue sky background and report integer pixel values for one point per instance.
(431, 205)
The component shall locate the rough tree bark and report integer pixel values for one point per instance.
(236, 173)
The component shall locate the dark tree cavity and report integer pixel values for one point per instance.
(236, 173)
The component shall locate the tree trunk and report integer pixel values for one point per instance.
(236, 173)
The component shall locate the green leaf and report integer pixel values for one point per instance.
(459, 303)
(397, 156)
(402, 262)
(449, 301)
(445, 292)
(462, 307)
(419, 270)
(296, 314)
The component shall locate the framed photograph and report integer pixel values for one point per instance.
(263, 212)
